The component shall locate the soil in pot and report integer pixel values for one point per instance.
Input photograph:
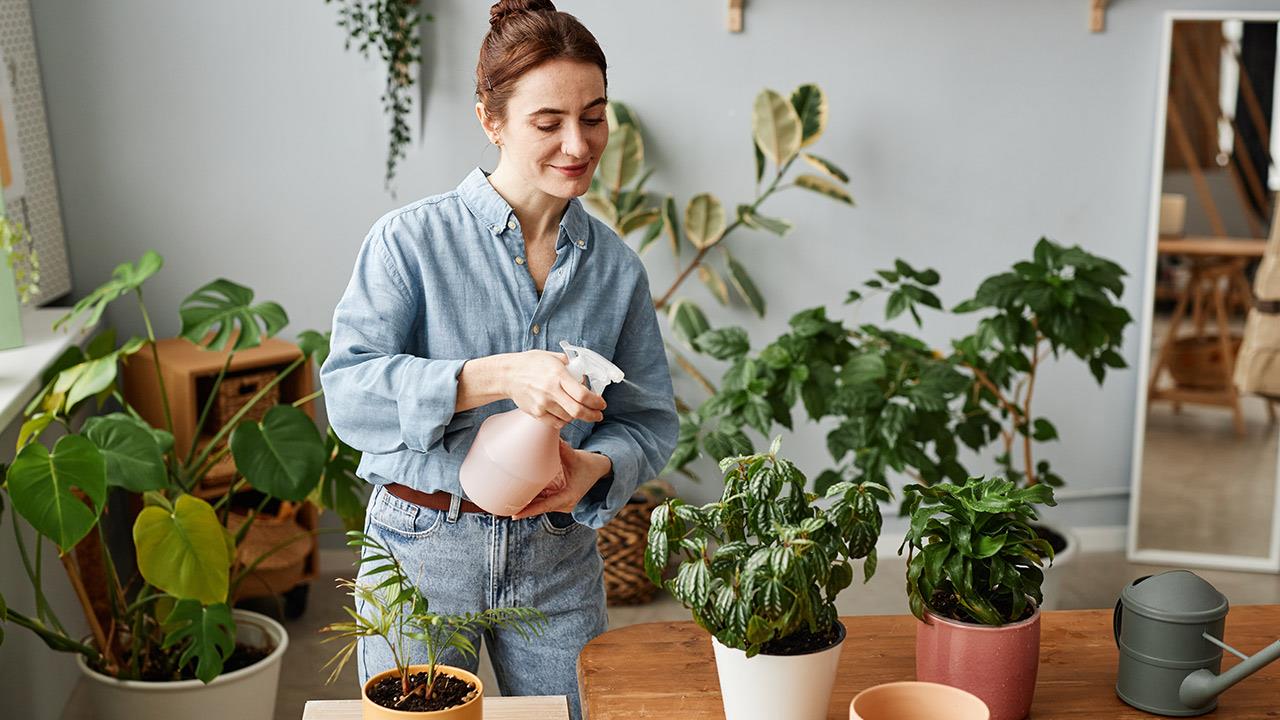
(945, 604)
(804, 642)
(448, 692)
(155, 669)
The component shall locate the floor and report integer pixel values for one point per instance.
(1204, 488)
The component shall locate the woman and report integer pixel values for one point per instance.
(452, 314)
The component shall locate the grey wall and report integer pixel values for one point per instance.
(239, 139)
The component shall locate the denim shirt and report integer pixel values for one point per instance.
(444, 280)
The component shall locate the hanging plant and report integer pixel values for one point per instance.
(390, 27)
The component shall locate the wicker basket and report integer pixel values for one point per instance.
(622, 542)
(1196, 362)
(235, 392)
(289, 538)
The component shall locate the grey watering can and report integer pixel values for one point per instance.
(1169, 631)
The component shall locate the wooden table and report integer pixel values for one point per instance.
(550, 707)
(666, 670)
(1217, 278)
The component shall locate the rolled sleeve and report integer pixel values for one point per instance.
(639, 430)
(380, 398)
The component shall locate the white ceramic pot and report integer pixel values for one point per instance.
(769, 687)
(1053, 585)
(245, 694)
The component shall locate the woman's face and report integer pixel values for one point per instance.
(555, 127)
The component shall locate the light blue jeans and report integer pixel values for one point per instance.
(467, 562)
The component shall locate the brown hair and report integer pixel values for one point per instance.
(522, 35)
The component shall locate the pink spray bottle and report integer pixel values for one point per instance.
(515, 455)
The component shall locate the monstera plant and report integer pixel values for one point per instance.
(173, 619)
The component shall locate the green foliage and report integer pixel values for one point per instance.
(900, 405)
(172, 620)
(768, 559)
(781, 127)
(20, 254)
(395, 611)
(206, 633)
(972, 549)
(390, 29)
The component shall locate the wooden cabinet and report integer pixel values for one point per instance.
(189, 374)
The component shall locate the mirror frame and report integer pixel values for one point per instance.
(1271, 563)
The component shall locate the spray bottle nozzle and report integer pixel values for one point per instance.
(584, 362)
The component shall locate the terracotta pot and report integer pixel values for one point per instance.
(916, 701)
(749, 687)
(470, 710)
(998, 664)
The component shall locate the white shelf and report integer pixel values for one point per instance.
(20, 368)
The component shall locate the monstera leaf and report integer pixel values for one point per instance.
(127, 277)
(43, 487)
(182, 549)
(314, 345)
(340, 489)
(208, 632)
(224, 309)
(283, 456)
(135, 459)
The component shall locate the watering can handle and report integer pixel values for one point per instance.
(1115, 621)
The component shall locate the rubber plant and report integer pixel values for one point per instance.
(389, 28)
(898, 404)
(394, 609)
(766, 562)
(973, 556)
(173, 619)
(783, 128)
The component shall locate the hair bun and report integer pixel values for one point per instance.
(504, 9)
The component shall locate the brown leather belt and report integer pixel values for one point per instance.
(439, 500)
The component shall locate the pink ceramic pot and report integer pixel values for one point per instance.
(998, 664)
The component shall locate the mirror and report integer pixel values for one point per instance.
(1204, 485)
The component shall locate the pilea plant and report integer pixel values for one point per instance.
(973, 557)
(390, 28)
(19, 251)
(782, 128)
(901, 405)
(762, 567)
(396, 612)
(173, 619)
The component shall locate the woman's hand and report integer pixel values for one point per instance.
(540, 385)
(580, 469)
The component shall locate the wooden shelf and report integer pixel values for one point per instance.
(1098, 15)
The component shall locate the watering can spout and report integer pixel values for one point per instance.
(1202, 686)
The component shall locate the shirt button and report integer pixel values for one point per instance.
(497, 228)
(536, 328)
(519, 260)
(582, 243)
(511, 224)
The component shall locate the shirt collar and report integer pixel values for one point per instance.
(496, 213)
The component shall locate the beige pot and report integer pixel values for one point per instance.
(472, 710)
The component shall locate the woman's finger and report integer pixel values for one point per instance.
(576, 409)
(582, 394)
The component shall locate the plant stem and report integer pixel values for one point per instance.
(304, 400)
(99, 637)
(697, 259)
(155, 357)
(50, 636)
(208, 405)
(1026, 407)
(693, 371)
(235, 419)
(44, 611)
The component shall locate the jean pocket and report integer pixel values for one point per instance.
(558, 523)
(402, 517)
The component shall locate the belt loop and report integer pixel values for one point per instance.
(455, 508)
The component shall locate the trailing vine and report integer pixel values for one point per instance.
(390, 27)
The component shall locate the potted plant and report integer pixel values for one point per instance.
(784, 129)
(760, 571)
(973, 581)
(396, 612)
(899, 404)
(19, 277)
(164, 641)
